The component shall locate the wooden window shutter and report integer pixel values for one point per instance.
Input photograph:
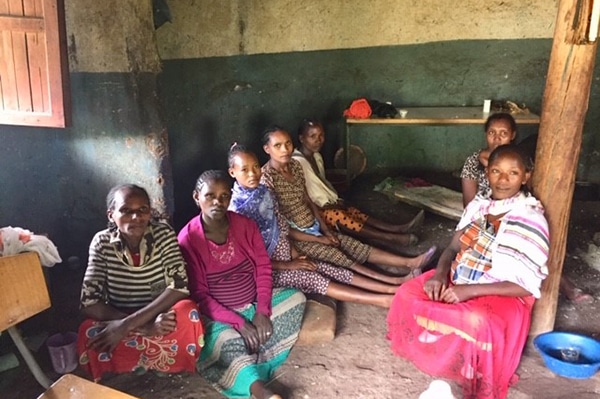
(33, 63)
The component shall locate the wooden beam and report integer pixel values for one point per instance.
(22, 24)
(564, 107)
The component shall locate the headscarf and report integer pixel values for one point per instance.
(259, 205)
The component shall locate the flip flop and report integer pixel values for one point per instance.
(428, 256)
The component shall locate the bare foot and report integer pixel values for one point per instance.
(423, 259)
(417, 221)
(412, 274)
(580, 297)
(573, 293)
(386, 301)
(260, 391)
(405, 240)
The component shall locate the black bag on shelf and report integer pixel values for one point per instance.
(382, 110)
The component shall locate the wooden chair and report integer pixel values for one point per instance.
(23, 293)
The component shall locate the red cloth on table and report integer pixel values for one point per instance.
(417, 182)
(359, 109)
(172, 353)
(479, 342)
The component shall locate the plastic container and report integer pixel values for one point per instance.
(63, 352)
(552, 345)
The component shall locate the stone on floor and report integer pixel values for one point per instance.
(319, 323)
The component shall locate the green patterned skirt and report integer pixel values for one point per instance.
(225, 361)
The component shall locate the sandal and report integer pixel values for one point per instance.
(426, 257)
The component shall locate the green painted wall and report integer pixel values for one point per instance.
(231, 67)
(212, 102)
(55, 181)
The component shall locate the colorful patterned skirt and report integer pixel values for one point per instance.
(477, 343)
(172, 353)
(225, 361)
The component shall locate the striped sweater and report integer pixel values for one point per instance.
(110, 276)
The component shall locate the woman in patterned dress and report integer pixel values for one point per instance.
(290, 269)
(500, 129)
(285, 177)
(333, 209)
(134, 295)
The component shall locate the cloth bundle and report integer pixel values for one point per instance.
(359, 109)
(15, 240)
(362, 108)
(383, 110)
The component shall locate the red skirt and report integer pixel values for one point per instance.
(477, 343)
(172, 353)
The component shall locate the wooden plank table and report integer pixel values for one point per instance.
(443, 116)
(433, 116)
(436, 199)
(69, 386)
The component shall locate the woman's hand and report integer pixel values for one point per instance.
(458, 293)
(301, 263)
(435, 287)
(264, 327)
(108, 339)
(164, 324)
(330, 238)
(250, 336)
(339, 204)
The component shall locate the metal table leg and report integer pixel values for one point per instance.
(347, 153)
(29, 359)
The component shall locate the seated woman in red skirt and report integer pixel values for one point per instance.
(468, 320)
(134, 295)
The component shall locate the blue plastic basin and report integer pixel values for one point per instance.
(550, 344)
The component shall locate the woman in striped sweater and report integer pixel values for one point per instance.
(468, 320)
(134, 295)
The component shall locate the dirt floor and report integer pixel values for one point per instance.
(358, 362)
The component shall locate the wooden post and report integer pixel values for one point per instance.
(563, 113)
